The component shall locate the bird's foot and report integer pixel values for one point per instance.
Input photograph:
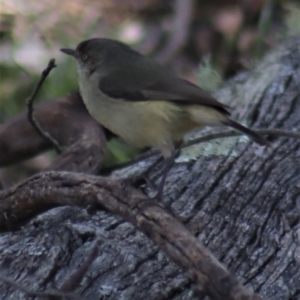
(140, 181)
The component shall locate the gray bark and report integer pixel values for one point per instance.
(240, 200)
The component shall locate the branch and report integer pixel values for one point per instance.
(29, 103)
(203, 139)
(232, 133)
(61, 188)
(86, 139)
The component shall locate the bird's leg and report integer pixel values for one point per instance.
(168, 165)
(146, 173)
(137, 180)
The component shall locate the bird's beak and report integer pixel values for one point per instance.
(68, 51)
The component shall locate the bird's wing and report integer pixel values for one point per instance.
(172, 89)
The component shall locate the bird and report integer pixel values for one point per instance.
(144, 102)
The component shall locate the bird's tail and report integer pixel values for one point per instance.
(253, 135)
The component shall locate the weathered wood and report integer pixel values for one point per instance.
(65, 188)
(239, 200)
(68, 121)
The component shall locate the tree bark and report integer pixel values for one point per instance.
(240, 200)
(68, 120)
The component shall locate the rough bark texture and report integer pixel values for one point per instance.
(242, 202)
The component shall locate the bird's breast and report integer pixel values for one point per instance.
(140, 123)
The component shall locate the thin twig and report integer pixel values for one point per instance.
(232, 133)
(203, 139)
(29, 102)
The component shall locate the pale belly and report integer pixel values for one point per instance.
(147, 123)
(141, 124)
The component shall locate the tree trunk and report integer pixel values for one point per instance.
(242, 201)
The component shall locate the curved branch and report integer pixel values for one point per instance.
(29, 103)
(62, 188)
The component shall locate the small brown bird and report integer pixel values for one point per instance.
(143, 102)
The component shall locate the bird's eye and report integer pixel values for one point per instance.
(84, 57)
